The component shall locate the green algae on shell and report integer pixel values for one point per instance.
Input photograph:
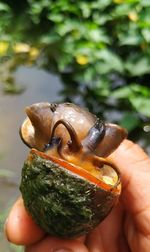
(62, 202)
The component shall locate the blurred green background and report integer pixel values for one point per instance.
(94, 53)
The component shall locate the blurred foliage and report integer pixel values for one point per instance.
(16, 248)
(5, 173)
(100, 48)
(5, 20)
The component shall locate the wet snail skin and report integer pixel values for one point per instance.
(68, 185)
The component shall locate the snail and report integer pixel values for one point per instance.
(68, 185)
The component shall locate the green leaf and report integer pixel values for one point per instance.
(130, 121)
(121, 10)
(140, 90)
(85, 8)
(122, 93)
(64, 62)
(67, 26)
(142, 105)
(100, 4)
(49, 38)
(129, 39)
(138, 96)
(97, 35)
(145, 3)
(130, 91)
(55, 17)
(103, 67)
(139, 67)
(111, 61)
(146, 35)
(129, 34)
(100, 18)
(4, 7)
(86, 76)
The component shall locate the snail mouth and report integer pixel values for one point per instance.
(100, 172)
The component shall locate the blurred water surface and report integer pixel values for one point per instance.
(39, 86)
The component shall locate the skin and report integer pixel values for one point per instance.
(126, 229)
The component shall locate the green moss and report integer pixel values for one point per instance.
(61, 202)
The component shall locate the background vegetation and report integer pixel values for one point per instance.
(101, 49)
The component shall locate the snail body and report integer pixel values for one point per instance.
(36, 129)
(68, 186)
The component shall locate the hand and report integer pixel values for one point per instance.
(127, 228)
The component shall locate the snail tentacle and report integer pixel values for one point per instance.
(94, 136)
(74, 144)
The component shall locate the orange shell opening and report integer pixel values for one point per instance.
(80, 171)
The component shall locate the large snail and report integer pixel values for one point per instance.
(68, 186)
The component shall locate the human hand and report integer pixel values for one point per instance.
(127, 228)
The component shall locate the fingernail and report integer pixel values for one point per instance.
(63, 250)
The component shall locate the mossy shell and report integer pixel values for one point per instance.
(60, 201)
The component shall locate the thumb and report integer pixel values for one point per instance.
(134, 165)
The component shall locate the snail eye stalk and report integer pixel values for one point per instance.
(74, 144)
(94, 136)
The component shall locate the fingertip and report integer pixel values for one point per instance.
(128, 154)
(123, 147)
(20, 228)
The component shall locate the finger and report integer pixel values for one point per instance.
(53, 244)
(109, 230)
(20, 228)
(131, 154)
(94, 241)
(134, 165)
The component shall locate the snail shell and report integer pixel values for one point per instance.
(68, 186)
(36, 129)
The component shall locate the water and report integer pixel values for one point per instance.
(39, 86)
